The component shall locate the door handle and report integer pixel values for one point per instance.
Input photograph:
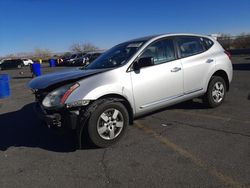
(176, 69)
(209, 61)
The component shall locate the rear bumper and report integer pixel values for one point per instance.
(56, 119)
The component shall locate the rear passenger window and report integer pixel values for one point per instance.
(207, 43)
(189, 46)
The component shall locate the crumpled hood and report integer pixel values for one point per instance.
(42, 82)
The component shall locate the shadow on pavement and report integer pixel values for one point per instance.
(22, 77)
(195, 104)
(190, 105)
(23, 128)
(241, 66)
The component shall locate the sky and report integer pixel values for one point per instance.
(57, 24)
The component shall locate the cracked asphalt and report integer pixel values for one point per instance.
(186, 145)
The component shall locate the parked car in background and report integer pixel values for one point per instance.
(11, 64)
(71, 61)
(132, 79)
(62, 59)
(2, 60)
(27, 62)
(86, 59)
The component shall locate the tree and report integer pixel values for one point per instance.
(42, 54)
(67, 54)
(76, 48)
(87, 47)
(242, 41)
(83, 47)
(225, 40)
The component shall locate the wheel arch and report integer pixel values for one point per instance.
(222, 74)
(124, 101)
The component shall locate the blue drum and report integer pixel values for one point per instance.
(4, 86)
(36, 69)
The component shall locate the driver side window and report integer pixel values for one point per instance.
(161, 51)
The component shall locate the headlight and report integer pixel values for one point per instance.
(59, 96)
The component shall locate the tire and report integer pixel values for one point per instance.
(216, 92)
(107, 123)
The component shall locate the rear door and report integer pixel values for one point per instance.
(197, 62)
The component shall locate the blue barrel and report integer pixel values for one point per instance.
(52, 63)
(4, 86)
(36, 68)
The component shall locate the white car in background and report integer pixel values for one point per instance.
(27, 62)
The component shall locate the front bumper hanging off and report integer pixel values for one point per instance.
(63, 118)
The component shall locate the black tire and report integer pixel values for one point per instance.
(95, 120)
(209, 99)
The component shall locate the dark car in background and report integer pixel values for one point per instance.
(61, 60)
(79, 59)
(74, 57)
(11, 64)
(87, 58)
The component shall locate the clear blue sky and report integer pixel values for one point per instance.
(56, 24)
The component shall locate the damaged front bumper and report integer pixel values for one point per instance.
(58, 118)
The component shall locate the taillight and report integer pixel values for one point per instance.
(228, 54)
(68, 92)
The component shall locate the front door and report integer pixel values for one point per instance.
(156, 85)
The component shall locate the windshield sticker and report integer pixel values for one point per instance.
(134, 45)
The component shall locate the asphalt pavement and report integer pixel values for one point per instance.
(186, 145)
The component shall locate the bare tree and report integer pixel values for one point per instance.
(67, 54)
(83, 47)
(242, 41)
(225, 40)
(87, 47)
(76, 48)
(42, 54)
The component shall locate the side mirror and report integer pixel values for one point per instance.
(143, 62)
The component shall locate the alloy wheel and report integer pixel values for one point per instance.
(218, 92)
(110, 124)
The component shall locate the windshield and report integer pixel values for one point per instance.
(116, 56)
(73, 56)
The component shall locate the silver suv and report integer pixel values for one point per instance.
(132, 79)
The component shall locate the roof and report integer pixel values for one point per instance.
(147, 38)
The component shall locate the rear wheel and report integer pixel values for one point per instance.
(216, 92)
(107, 123)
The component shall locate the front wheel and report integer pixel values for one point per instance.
(107, 123)
(216, 92)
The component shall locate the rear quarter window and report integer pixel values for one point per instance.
(189, 46)
(207, 43)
